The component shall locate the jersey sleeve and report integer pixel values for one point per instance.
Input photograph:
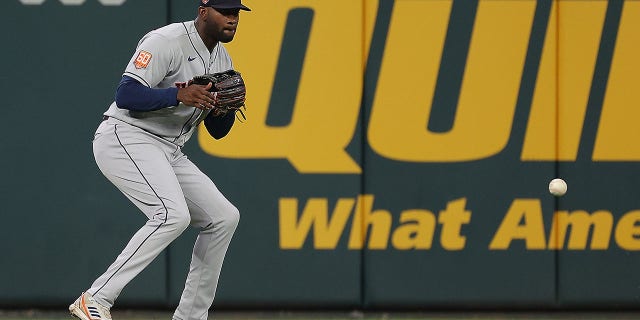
(152, 60)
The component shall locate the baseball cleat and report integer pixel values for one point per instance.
(87, 308)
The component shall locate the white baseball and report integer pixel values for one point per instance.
(557, 187)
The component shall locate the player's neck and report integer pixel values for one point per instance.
(209, 42)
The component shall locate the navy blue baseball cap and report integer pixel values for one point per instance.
(223, 4)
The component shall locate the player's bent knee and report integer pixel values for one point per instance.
(235, 217)
(180, 222)
(230, 220)
(183, 222)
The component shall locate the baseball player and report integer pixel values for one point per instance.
(138, 147)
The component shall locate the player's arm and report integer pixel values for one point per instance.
(219, 126)
(133, 95)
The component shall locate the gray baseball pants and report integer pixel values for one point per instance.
(173, 193)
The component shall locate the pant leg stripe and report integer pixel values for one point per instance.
(115, 131)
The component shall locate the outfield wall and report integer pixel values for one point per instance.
(396, 154)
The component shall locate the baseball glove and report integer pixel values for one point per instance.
(229, 91)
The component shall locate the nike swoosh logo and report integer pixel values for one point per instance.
(191, 59)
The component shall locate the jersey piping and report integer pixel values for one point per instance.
(137, 77)
(204, 66)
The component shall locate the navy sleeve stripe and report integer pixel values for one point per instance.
(137, 77)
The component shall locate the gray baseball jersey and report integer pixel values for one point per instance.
(141, 154)
(168, 57)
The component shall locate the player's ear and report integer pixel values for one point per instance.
(202, 12)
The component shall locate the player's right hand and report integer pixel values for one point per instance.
(197, 96)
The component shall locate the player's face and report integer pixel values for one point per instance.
(222, 23)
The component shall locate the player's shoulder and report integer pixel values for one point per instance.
(173, 31)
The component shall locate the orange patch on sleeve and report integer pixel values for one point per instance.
(142, 60)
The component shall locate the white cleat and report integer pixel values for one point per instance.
(87, 308)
